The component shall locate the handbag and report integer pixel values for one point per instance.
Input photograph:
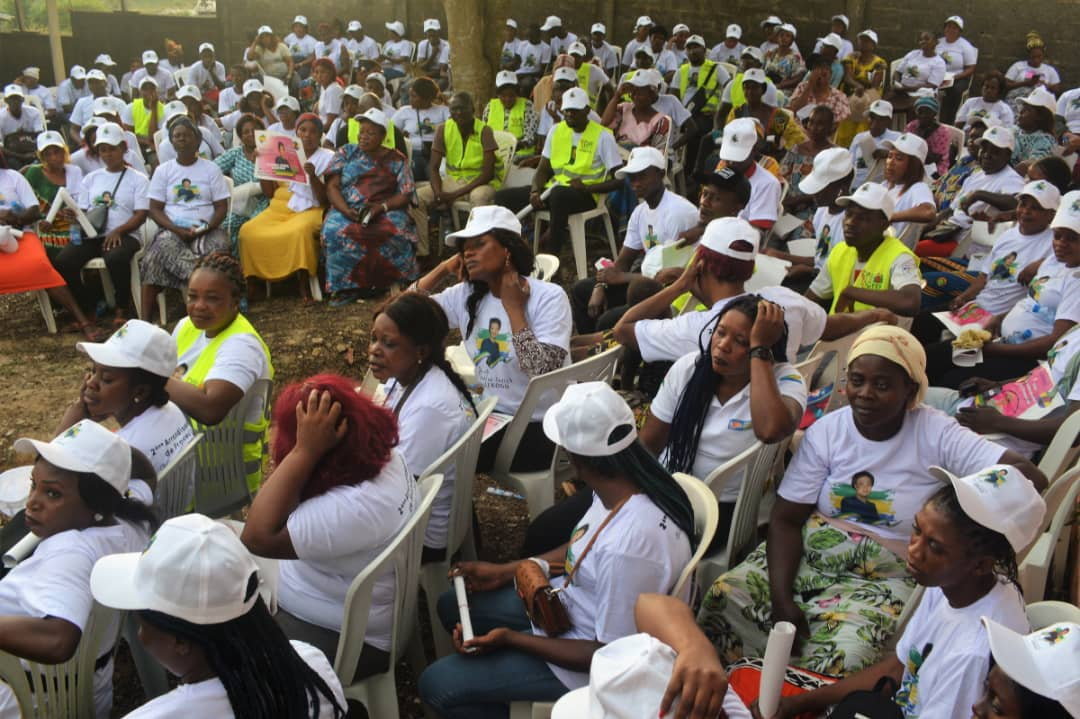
(876, 703)
(98, 215)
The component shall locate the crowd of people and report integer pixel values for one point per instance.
(766, 200)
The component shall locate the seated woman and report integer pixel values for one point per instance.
(188, 202)
(52, 172)
(368, 239)
(798, 162)
(1025, 75)
(338, 495)
(635, 538)
(418, 120)
(79, 510)
(934, 133)
(905, 171)
(1024, 681)
(1034, 131)
(947, 187)
(817, 91)
(515, 327)
(989, 105)
(780, 127)
(229, 656)
(87, 159)
(282, 240)
(865, 73)
(429, 399)
(24, 265)
(962, 549)
(637, 123)
(813, 570)
(920, 70)
(220, 355)
(238, 164)
(783, 63)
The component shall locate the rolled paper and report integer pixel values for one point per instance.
(63, 197)
(524, 211)
(777, 655)
(463, 608)
(21, 550)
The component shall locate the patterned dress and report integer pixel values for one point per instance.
(242, 170)
(1032, 146)
(383, 251)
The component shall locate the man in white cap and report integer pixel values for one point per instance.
(738, 149)
(535, 55)
(551, 115)
(558, 36)
(510, 59)
(98, 83)
(147, 113)
(331, 48)
(602, 51)
(577, 163)
(107, 65)
(868, 151)
(730, 48)
(20, 124)
(433, 54)
(361, 45)
(640, 39)
(870, 268)
(301, 44)
(208, 74)
(734, 96)
(30, 79)
(71, 89)
(698, 84)
(839, 28)
(665, 60)
(590, 77)
(960, 58)
(770, 26)
(509, 112)
(677, 44)
(396, 51)
(151, 67)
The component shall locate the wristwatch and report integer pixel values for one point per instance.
(761, 352)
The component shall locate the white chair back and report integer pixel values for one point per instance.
(546, 267)
(802, 247)
(706, 517)
(175, 492)
(1043, 614)
(507, 147)
(1062, 450)
(768, 272)
(1051, 548)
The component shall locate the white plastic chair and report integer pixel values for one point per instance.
(802, 247)
(505, 154)
(1043, 614)
(462, 456)
(706, 518)
(378, 693)
(981, 239)
(1062, 450)
(458, 357)
(577, 222)
(45, 305)
(175, 490)
(1051, 548)
(539, 487)
(956, 139)
(546, 267)
(768, 272)
(221, 476)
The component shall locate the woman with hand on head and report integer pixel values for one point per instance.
(338, 495)
(515, 327)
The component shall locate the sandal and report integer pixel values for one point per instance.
(91, 332)
(344, 297)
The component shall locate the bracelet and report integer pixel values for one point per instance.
(601, 285)
(384, 208)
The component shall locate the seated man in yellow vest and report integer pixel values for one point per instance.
(577, 163)
(349, 131)
(472, 171)
(591, 78)
(509, 112)
(870, 268)
(698, 83)
(147, 114)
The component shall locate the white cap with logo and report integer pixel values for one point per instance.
(788, 27)
(734, 31)
(870, 196)
(881, 108)
(1068, 213)
(432, 25)
(641, 159)
(206, 47)
(552, 22)
(373, 115)
(484, 219)
(1000, 137)
(740, 136)
(354, 26)
(14, 90)
(354, 91)
(104, 59)
(1041, 97)
(772, 20)
(109, 133)
(564, 74)
(149, 57)
(643, 21)
(695, 40)
(1000, 498)
(50, 138)
(396, 26)
(871, 35)
(78, 72)
(506, 77)
(252, 86)
(107, 105)
(189, 91)
(1045, 193)
(723, 231)
(833, 40)
(300, 20)
(956, 19)
(1040, 661)
(264, 30)
(85, 447)
(755, 74)
(591, 420)
(598, 27)
(136, 344)
(829, 166)
(511, 22)
(681, 27)
(842, 18)
(575, 99)
(288, 101)
(909, 144)
(96, 74)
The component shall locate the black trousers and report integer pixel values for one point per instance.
(941, 371)
(561, 203)
(70, 261)
(580, 294)
(534, 451)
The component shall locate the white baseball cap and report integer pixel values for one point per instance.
(505, 77)
(643, 21)
(288, 101)
(145, 81)
(1040, 661)
(377, 77)
(642, 78)
(734, 31)
(14, 90)
(842, 18)
(300, 20)
(999, 136)
(85, 447)
(599, 27)
(396, 26)
(264, 30)
(870, 196)
(788, 27)
(829, 166)
(772, 20)
(552, 22)
(149, 57)
(173, 109)
(354, 26)
(1045, 193)
(354, 91)
(204, 46)
(34, 72)
(1068, 213)
(1000, 498)
(432, 24)
(577, 48)
(870, 34)
(592, 420)
(194, 569)
(94, 121)
(721, 232)
(109, 133)
(252, 85)
(103, 59)
(136, 344)
(642, 158)
(754, 52)
(189, 91)
(740, 136)
(78, 72)
(909, 144)
(575, 99)
(564, 74)
(681, 27)
(511, 22)
(50, 138)
(833, 40)
(96, 74)
(955, 19)
(695, 40)
(645, 50)
(373, 115)
(881, 108)
(107, 105)
(1041, 97)
(484, 219)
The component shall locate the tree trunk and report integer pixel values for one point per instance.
(472, 31)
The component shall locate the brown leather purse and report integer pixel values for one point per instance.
(542, 602)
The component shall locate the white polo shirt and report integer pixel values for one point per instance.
(764, 205)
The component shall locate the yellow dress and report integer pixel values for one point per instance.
(848, 128)
(278, 242)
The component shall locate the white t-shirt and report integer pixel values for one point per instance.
(559, 45)
(67, 94)
(209, 699)
(605, 54)
(860, 160)
(607, 155)
(917, 194)
(666, 62)
(649, 229)
(974, 107)
(83, 160)
(209, 147)
(228, 99)
(597, 79)
(1021, 71)
(84, 110)
(189, 191)
(904, 271)
(833, 450)
(423, 52)
(669, 339)
(1005, 181)
(534, 57)
(420, 125)
(916, 69)
(163, 77)
(1069, 108)
(159, 433)
(547, 121)
(490, 345)
(673, 108)
(1053, 294)
(54, 581)
(946, 652)
(509, 52)
(336, 535)
(957, 55)
(330, 101)
(301, 47)
(846, 48)
(631, 48)
(98, 187)
(365, 49)
(640, 550)
(728, 429)
(764, 205)
(279, 127)
(434, 416)
(203, 78)
(303, 198)
(722, 53)
(1012, 253)
(15, 191)
(829, 232)
(332, 50)
(398, 53)
(29, 120)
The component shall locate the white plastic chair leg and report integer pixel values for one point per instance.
(45, 305)
(136, 285)
(161, 307)
(314, 287)
(577, 240)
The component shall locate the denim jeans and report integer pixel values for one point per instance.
(482, 687)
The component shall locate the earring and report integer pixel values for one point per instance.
(98, 517)
(137, 400)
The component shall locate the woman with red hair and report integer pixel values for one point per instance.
(338, 495)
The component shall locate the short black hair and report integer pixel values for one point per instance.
(727, 180)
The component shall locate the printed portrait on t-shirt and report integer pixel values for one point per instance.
(1037, 285)
(824, 242)
(1004, 268)
(859, 502)
(492, 344)
(907, 696)
(580, 531)
(186, 191)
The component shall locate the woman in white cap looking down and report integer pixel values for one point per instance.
(52, 172)
(635, 538)
(195, 595)
(78, 507)
(1028, 676)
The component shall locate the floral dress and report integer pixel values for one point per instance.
(242, 170)
(783, 67)
(1032, 146)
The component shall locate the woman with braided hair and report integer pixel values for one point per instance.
(432, 404)
(220, 355)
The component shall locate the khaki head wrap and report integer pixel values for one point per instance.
(898, 346)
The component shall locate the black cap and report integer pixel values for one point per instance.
(728, 180)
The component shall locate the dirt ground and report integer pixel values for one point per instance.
(42, 374)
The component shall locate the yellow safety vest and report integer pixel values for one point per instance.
(465, 160)
(874, 276)
(707, 69)
(514, 122)
(626, 78)
(140, 117)
(584, 74)
(567, 164)
(389, 141)
(254, 434)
